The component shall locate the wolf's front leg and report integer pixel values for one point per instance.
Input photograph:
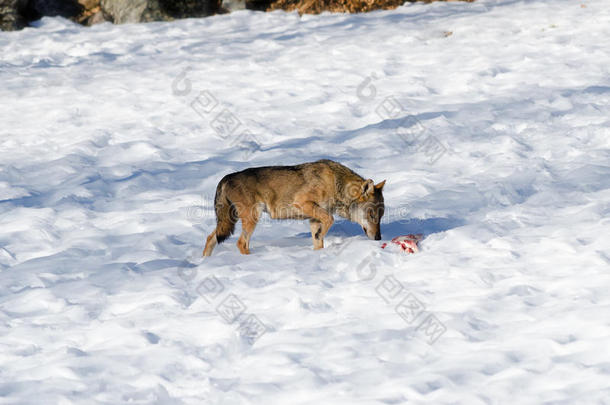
(316, 234)
(317, 213)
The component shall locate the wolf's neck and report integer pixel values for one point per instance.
(343, 200)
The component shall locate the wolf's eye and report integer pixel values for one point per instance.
(371, 215)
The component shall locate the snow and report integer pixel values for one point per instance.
(489, 120)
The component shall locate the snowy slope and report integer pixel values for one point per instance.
(499, 153)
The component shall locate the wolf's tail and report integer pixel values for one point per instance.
(226, 213)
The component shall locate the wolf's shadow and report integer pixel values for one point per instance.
(396, 228)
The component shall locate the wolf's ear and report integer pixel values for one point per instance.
(379, 186)
(367, 188)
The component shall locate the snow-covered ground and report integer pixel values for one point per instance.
(113, 138)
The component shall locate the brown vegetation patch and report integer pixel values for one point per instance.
(339, 6)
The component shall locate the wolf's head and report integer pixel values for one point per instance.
(368, 208)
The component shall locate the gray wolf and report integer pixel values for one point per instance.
(313, 191)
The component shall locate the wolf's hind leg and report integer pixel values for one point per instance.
(210, 244)
(248, 223)
(316, 231)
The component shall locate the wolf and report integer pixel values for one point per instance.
(313, 191)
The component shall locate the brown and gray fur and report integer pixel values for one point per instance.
(313, 191)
